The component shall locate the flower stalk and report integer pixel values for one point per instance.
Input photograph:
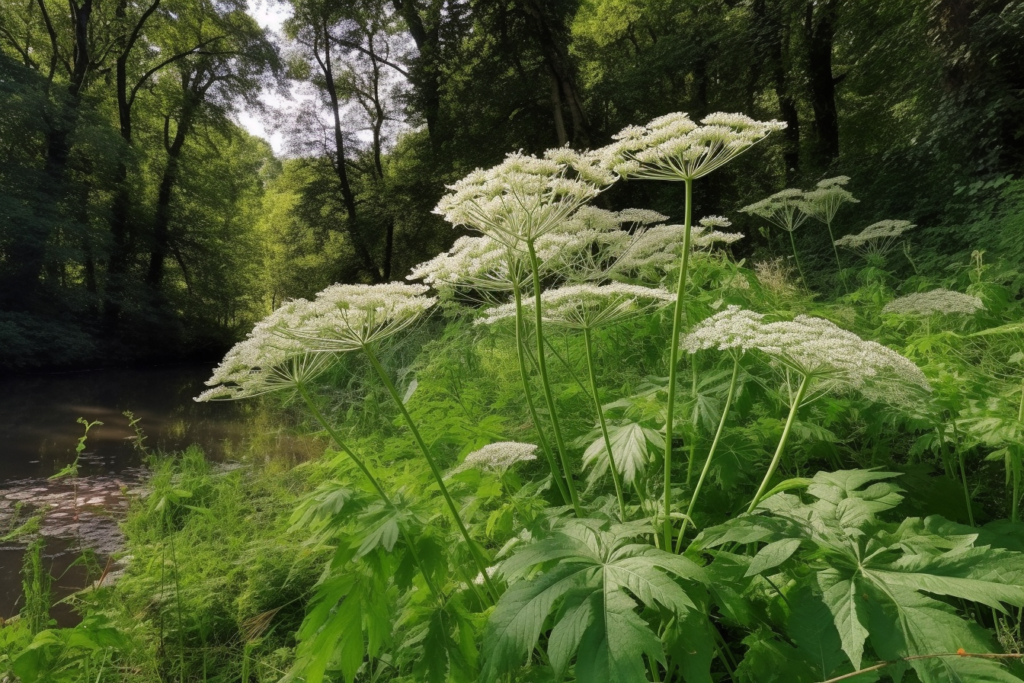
(616, 477)
(545, 445)
(797, 400)
(673, 362)
(545, 382)
(369, 477)
(711, 453)
(438, 477)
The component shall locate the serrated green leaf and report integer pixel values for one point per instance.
(772, 555)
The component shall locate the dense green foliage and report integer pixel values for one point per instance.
(726, 464)
(137, 219)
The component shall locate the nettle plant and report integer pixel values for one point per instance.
(501, 566)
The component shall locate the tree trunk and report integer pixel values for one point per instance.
(820, 26)
(426, 74)
(556, 58)
(340, 170)
(161, 242)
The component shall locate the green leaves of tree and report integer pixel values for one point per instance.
(592, 579)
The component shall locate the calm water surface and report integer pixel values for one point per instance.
(38, 434)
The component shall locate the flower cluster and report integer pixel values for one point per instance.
(937, 301)
(588, 306)
(816, 349)
(269, 359)
(497, 457)
(473, 263)
(659, 246)
(876, 239)
(673, 147)
(787, 209)
(524, 197)
(350, 317)
(823, 202)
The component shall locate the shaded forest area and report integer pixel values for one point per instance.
(139, 220)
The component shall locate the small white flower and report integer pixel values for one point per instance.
(938, 301)
(351, 317)
(815, 348)
(823, 203)
(786, 209)
(524, 197)
(673, 147)
(497, 457)
(877, 239)
(588, 306)
(269, 359)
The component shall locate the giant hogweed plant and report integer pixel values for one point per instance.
(474, 570)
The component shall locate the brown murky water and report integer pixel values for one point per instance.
(38, 434)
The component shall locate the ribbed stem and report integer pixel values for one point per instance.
(800, 269)
(435, 470)
(616, 477)
(711, 453)
(673, 361)
(963, 472)
(545, 446)
(797, 400)
(542, 365)
(372, 479)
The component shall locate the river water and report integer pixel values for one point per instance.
(38, 435)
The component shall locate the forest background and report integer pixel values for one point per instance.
(139, 220)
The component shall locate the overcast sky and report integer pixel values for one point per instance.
(271, 15)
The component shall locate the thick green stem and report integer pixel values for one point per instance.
(616, 477)
(545, 446)
(693, 394)
(373, 482)
(673, 361)
(542, 365)
(435, 470)
(963, 472)
(800, 269)
(797, 400)
(711, 453)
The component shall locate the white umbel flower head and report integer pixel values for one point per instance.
(823, 202)
(826, 354)
(659, 246)
(473, 263)
(269, 359)
(351, 317)
(498, 457)
(585, 307)
(877, 239)
(706, 235)
(524, 197)
(673, 147)
(936, 302)
(786, 209)
(731, 329)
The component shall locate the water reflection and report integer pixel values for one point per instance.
(38, 414)
(38, 434)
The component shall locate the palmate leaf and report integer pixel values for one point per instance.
(347, 603)
(877, 580)
(630, 450)
(595, 577)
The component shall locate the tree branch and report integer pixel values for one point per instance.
(173, 58)
(369, 53)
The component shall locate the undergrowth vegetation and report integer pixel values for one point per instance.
(605, 450)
